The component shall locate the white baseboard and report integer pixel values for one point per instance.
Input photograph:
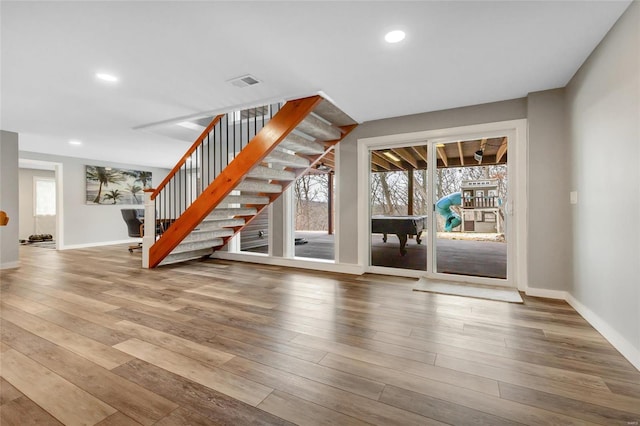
(546, 293)
(630, 352)
(97, 244)
(621, 344)
(292, 263)
(10, 265)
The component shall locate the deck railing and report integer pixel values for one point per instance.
(480, 202)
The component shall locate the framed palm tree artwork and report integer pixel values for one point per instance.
(107, 185)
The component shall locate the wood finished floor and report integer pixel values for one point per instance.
(87, 337)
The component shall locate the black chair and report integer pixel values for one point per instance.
(133, 219)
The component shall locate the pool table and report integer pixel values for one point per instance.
(402, 226)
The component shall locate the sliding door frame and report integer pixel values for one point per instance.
(516, 131)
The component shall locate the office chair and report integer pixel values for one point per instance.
(134, 225)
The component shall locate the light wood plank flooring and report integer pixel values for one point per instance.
(88, 337)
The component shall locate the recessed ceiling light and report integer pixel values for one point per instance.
(394, 36)
(106, 77)
(75, 142)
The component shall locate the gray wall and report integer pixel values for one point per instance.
(25, 185)
(348, 178)
(89, 224)
(549, 236)
(9, 198)
(603, 110)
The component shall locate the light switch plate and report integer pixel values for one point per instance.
(573, 197)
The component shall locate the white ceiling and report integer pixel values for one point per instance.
(174, 58)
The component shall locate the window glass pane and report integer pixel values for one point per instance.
(45, 197)
(314, 214)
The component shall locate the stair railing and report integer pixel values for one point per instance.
(226, 137)
(213, 150)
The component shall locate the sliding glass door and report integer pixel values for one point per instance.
(458, 189)
(399, 207)
(470, 198)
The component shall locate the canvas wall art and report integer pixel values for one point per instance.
(108, 185)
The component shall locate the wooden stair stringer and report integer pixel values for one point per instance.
(282, 124)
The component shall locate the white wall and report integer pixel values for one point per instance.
(86, 225)
(549, 239)
(9, 199)
(603, 107)
(27, 220)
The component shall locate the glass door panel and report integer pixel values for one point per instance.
(399, 207)
(471, 194)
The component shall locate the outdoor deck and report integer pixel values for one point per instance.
(462, 257)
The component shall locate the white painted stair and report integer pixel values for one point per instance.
(279, 168)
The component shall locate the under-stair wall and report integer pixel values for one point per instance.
(241, 163)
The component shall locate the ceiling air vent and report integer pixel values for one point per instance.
(244, 81)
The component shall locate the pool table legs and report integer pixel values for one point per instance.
(403, 241)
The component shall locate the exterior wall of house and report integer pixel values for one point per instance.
(603, 112)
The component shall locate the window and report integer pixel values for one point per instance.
(45, 197)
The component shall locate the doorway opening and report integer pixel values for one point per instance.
(40, 203)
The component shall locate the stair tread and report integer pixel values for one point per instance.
(301, 145)
(279, 157)
(261, 172)
(219, 223)
(184, 256)
(232, 211)
(184, 247)
(220, 232)
(333, 114)
(258, 186)
(245, 199)
(318, 128)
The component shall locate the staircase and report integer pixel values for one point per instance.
(240, 164)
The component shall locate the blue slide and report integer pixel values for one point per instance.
(443, 206)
